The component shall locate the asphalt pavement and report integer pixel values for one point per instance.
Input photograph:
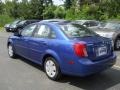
(21, 74)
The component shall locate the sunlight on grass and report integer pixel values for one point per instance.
(1, 28)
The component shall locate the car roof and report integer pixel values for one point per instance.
(56, 22)
(53, 20)
(30, 20)
(83, 21)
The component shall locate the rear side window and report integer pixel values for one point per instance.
(113, 26)
(43, 31)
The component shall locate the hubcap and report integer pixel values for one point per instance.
(118, 43)
(50, 68)
(10, 50)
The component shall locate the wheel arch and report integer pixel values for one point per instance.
(116, 36)
(51, 54)
(115, 39)
(9, 42)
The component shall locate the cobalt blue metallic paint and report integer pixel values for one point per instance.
(62, 49)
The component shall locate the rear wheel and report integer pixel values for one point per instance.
(11, 51)
(52, 68)
(117, 44)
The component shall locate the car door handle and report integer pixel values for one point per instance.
(25, 40)
(43, 42)
(33, 43)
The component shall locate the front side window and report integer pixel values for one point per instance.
(87, 24)
(76, 31)
(94, 23)
(27, 31)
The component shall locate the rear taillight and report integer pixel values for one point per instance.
(80, 50)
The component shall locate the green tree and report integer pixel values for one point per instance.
(7, 7)
(48, 3)
(59, 12)
(110, 7)
(48, 12)
(36, 9)
(15, 12)
(24, 9)
(67, 4)
(1, 7)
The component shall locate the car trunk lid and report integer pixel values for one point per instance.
(98, 48)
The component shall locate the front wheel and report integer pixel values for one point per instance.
(7, 30)
(52, 68)
(117, 44)
(11, 51)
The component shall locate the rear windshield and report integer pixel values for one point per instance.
(76, 31)
(22, 22)
(15, 22)
(112, 26)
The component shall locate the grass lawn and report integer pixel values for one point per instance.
(1, 28)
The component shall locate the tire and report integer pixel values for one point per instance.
(117, 44)
(7, 30)
(52, 69)
(11, 51)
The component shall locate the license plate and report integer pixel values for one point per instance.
(102, 51)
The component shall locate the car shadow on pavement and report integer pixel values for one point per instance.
(101, 81)
(37, 66)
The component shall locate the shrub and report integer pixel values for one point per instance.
(48, 12)
(59, 12)
(4, 19)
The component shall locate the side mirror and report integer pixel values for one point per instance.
(17, 34)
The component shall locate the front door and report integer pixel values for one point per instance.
(22, 41)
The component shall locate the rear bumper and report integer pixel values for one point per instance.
(86, 67)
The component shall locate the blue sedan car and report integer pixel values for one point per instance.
(63, 48)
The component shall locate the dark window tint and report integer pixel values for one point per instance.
(91, 23)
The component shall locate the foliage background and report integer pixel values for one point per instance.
(71, 10)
